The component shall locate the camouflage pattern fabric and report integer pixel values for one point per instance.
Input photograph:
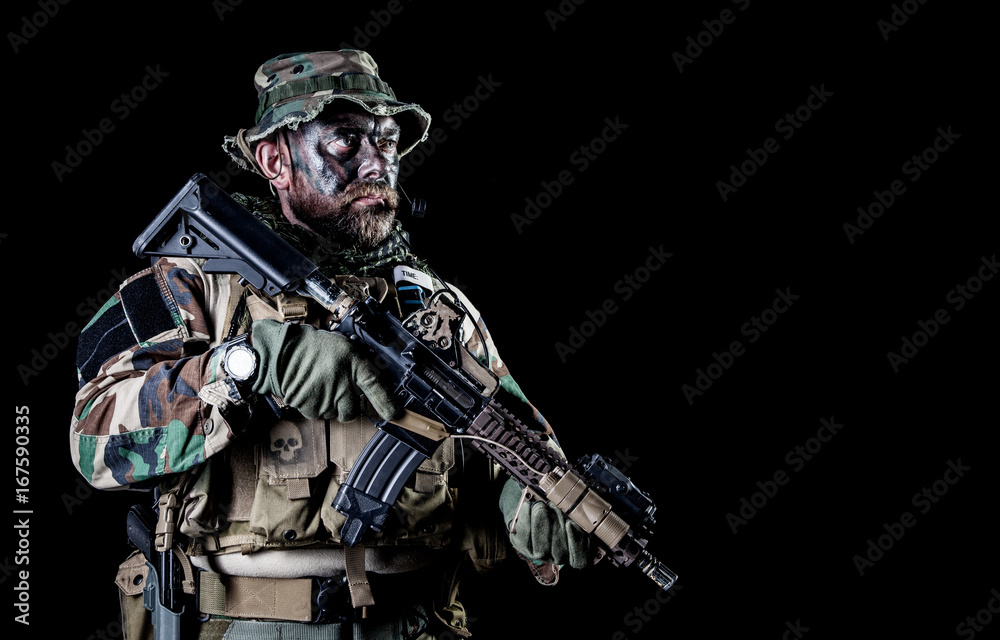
(294, 88)
(151, 408)
(153, 397)
(156, 408)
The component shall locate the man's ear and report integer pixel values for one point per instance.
(272, 158)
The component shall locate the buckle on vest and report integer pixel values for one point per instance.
(166, 524)
(292, 307)
(332, 601)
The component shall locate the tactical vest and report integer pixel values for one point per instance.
(278, 481)
(273, 487)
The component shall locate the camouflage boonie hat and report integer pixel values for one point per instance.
(293, 88)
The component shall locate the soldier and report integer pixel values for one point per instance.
(245, 416)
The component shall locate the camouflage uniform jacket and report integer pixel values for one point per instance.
(155, 407)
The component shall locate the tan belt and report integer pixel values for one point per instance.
(289, 599)
(264, 598)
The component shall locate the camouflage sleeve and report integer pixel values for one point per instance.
(479, 342)
(153, 398)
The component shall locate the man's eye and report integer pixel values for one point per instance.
(387, 145)
(346, 142)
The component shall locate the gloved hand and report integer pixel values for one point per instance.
(543, 533)
(320, 373)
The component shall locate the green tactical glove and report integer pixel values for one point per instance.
(320, 373)
(543, 533)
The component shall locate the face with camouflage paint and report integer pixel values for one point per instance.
(344, 167)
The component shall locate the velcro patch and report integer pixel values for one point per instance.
(138, 313)
(145, 308)
(107, 335)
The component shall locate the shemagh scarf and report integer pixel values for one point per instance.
(333, 259)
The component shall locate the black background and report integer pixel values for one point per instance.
(556, 80)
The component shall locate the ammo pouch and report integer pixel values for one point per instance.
(131, 579)
(298, 475)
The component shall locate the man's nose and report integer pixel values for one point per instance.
(372, 164)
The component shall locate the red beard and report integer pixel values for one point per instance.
(343, 219)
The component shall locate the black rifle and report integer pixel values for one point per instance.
(446, 392)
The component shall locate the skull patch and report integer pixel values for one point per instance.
(286, 440)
